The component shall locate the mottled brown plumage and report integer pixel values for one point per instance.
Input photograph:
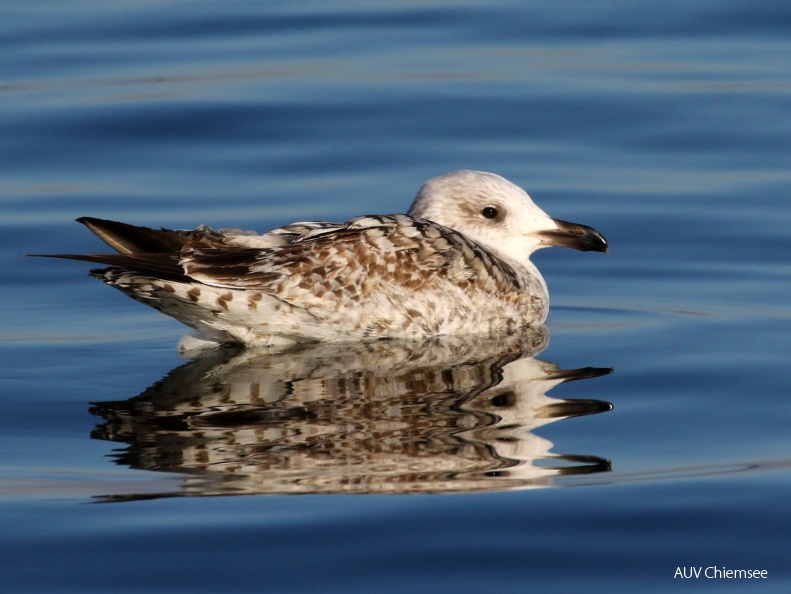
(457, 263)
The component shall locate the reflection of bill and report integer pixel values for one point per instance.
(447, 414)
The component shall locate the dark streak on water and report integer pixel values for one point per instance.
(664, 125)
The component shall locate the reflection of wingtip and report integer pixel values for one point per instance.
(570, 375)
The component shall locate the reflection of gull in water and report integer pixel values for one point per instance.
(447, 414)
(457, 263)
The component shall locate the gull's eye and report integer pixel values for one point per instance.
(490, 212)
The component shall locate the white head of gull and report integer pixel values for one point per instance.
(499, 215)
(457, 263)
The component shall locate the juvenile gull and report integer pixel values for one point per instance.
(457, 262)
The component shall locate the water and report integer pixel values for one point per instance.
(458, 467)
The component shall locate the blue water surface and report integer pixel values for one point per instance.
(125, 467)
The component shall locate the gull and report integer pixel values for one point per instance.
(456, 263)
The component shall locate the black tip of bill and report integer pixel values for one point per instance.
(575, 236)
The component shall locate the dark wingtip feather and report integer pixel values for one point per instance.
(131, 239)
(160, 266)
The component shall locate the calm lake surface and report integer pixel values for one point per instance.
(461, 465)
